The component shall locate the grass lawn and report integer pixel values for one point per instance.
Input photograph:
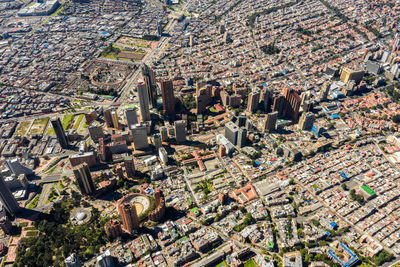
(33, 203)
(78, 121)
(32, 233)
(22, 128)
(212, 109)
(67, 120)
(38, 126)
(250, 263)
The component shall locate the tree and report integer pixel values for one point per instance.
(189, 102)
(382, 257)
(270, 49)
(396, 118)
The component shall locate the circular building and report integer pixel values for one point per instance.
(80, 215)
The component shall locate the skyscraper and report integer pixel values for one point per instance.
(266, 96)
(241, 120)
(107, 117)
(242, 137)
(5, 224)
(292, 107)
(288, 104)
(131, 116)
(149, 79)
(306, 121)
(168, 98)
(115, 119)
(270, 122)
(143, 101)
(60, 133)
(157, 196)
(221, 29)
(8, 200)
(191, 40)
(396, 43)
(157, 140)
(129, 166)
(231, 132)
(164, 133)
(17, 168)
(139, 136)
(84, 179)
(180, 131)
(253, 100)
(95, 133)
(129, 217)
(323, 95)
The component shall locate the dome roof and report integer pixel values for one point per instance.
(80, 216)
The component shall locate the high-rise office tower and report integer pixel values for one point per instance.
(157, 140)
(168, 98)
(129, 166)
(164, 133)
(107, 117)
(7, 198)
(396, 42)
(231, 132)
(180, 131)
(253, 100)
(129, 217)
(143, 101)
(242, 137)
(293, 101)
(266, 96)
(159, 29)
(221, 29)
(95, 133)
(323, 94)
(60, 133)
(149, 79)
(115, 119)
(306, 121)
(131, 116)
(15, 166)
(157, 196)
(305, 96)
(241, 120)
(5, 224)
(270, 122)
(84, 179)
(113, 228)
(227, 37)
(191, 40)
(139, 136)
(72, 261)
